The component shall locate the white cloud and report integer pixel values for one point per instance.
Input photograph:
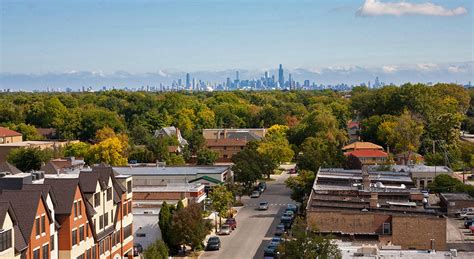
(377, 8)
(389, 69)
(455, 69)
(162, 73)
(427, 67)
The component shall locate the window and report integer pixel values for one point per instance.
(109, 194)
(127, 231)
(51, 242)
(101, 247)
(75, 209)
(81, 233)
(129, 204)
(36, 254)
(117, 237)
(225, 156)
(5, 240)
(97, 199)
(79, 203)
(386, 229)
(88, 254)
(140, 235)
(129, 186)
(43, 224)
(74, 237)
(101, 222)
(106, 218)
(111, 216)
(87, 229)
(124, 211)
(37, 226)
(94, 252)
(106, 243)
(80, 257)
(45, 252)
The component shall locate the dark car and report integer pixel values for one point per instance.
(137, 249)
(232, 223)
(292, 207)
(262, 186)
(213, 243)
(270, 251)
(468, 223)
(280, 230)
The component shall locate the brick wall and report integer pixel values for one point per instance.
(416, 232)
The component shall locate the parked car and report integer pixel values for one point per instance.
(426, 194)
(289, 213)
(225, 230)
(255, 194)
(213, 243)
(270, 250)
(276, 239)
(263, 205)
(280, 230)
(232, 223)
(468, 223)
(467, 215)
(472, 229)
(292, 171)
(292, 207)
(286, 221)
(262, 186)
(137, 249)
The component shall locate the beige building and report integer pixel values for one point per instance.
(7, 147)
(9, 136)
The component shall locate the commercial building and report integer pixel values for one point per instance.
(422, 175)
(452, 203)
(377, 206)
(228, 142)
(7, 147)
(165, 175)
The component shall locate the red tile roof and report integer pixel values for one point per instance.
(6, 132)
(366, 153)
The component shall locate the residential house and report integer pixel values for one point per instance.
(368, 153)
(172, 132)
(353, 130)
(9, 228)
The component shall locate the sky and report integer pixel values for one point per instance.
(172, 36)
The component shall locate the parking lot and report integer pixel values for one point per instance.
(456, 232)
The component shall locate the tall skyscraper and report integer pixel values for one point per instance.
(290, 81)
(237, 75)
(281, 79)
(188, 81)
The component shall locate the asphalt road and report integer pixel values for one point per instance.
(255, 228)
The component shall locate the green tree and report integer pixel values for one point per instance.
(206, 157)
(304, 243)
(78, 149)
(164, 222)
(301, 185)
(27, 159)
(249, 166)
(444, 183)
(157, 250)
(29, 132)
(141, 155)
(94, 119)
(109, 151)
(189, 227)
(174, 159)
(179, 206)
(317, 152)
(221, 200)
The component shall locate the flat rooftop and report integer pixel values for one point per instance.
(169, 188)
(457, 196)
(30, 143)
(171, 170)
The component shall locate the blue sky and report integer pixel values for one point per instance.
(194, 35)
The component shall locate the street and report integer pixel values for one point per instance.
(255, 228)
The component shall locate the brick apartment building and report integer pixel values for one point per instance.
(86, 215)
(381, 207)
(228, 142)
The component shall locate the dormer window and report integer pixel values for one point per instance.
(109, 194)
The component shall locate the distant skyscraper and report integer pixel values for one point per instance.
(237, 75)
(281, 79)
(290, 81)
(188, 81)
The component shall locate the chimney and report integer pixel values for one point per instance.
(374, 200)
(365, 178)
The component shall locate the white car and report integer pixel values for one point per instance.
(225, 230)
(467, 215)
(263, 205)
(255, 194)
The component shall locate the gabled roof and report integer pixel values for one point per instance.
(88, 181)
(6, 207)
(362, 145)
(207, 178)
(50, 168)
(20, 242)
(7, 167)
(45, 189)
(66, 189)
(366, 153)
(6, 132)
(25, 204)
